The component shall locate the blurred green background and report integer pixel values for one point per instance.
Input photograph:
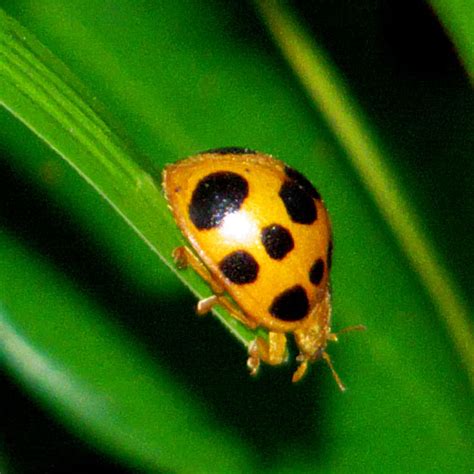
(106, 366)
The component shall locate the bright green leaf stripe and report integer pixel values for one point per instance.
(329, 93)
(458, 17)
(40, 91)
(26, 65)
(97, 379)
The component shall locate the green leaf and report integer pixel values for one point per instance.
(180, 77)
(98, 379)
(458, 18)
(39, 90)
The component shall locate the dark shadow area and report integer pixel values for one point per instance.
(38, 444)
(402, 35)
(402, 67)
(417, 42)
(269, 412)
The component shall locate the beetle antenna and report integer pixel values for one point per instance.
(333, 337)
(326, 357)
(358, 327)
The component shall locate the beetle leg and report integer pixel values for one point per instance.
(205, 305)
(303, 367)
(300, 371)
(184, 257)
(272, 352)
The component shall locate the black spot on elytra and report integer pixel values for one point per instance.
(299, 204)
(329, 256)
(230, 150)
(302, 181)
(277, 241)
(239, 267)
(316, 272)
(291, 305)
(215, 196)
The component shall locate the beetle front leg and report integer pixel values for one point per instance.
(184, 257)
(272, 352)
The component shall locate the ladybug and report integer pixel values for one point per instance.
(259, 233)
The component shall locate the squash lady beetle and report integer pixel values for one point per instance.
(259, 232)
